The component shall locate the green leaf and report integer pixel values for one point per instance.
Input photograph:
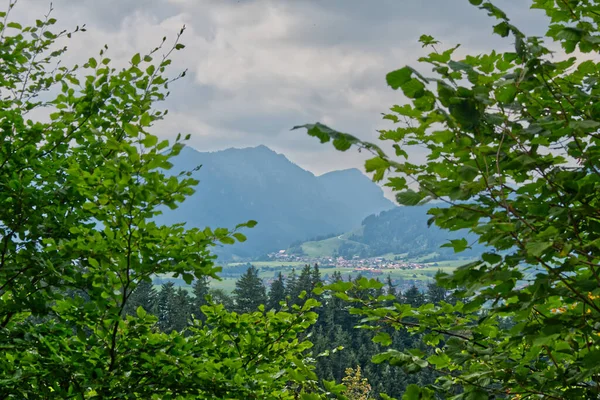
(239, 236)
(136, 59)
(468, 173)
(146, 119)
(130, 129)
(414, 392)
(342, 144)
(375, 164)
(502, 29)
(409, 197)
(414, 88)
(150, 140)
(141, 313)
(399, 77)
(536, 249)
(458, 245)
(382, 338)
(506, 94)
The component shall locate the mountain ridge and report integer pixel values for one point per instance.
(289, 202)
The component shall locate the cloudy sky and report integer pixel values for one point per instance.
(258, 67)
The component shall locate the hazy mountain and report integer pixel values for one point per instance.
(288, 202)
(356, 190)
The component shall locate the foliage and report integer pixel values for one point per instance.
(79, 195)
(249, 292)
(513, 140)
(357, 387)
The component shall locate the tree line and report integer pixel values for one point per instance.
(176, 307)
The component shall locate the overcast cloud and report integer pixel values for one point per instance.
(257, 68)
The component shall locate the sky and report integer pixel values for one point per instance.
(256, 68)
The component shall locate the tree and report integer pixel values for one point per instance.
(219, 296)
(291, 285)
(436, 294)
(200, 289)
(357, 387)
(513, 150)
(165, 307)
(183, 310)
(414, 297)
(249, 292)
(145, 296)
(276, 293)
(79, 193)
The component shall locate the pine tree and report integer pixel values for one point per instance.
(414, 297)
(219, 296)
(291, 286)
(249, 291)
(316, 276)
(200, 290)
(182, 309)
(165, 307)
(390, 289)
(144, 295)
(436, 293)
(276, 293)
(305, 282)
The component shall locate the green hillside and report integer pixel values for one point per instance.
(402, 231)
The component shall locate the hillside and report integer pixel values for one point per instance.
(402, 230)
(288, 202)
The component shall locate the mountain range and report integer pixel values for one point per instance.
(289, 203)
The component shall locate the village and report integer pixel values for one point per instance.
(372, 265)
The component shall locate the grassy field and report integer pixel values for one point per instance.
(322, 248)
(325, 248)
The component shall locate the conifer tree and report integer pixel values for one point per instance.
(165, 307)
(305, 281)
(292, 287)
(219, 296)
(316, 275)
(200, 289)
(249, 291)
(436, 293)
(182, 307)
(414, 297)
(144, 296)
(276, 293)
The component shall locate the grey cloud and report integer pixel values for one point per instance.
(259, 67)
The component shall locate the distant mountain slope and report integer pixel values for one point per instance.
(352, 187)
(402, 230)
(288, 202)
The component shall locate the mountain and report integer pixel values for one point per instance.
(354, 189)
(288, 202)
(401, 230)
